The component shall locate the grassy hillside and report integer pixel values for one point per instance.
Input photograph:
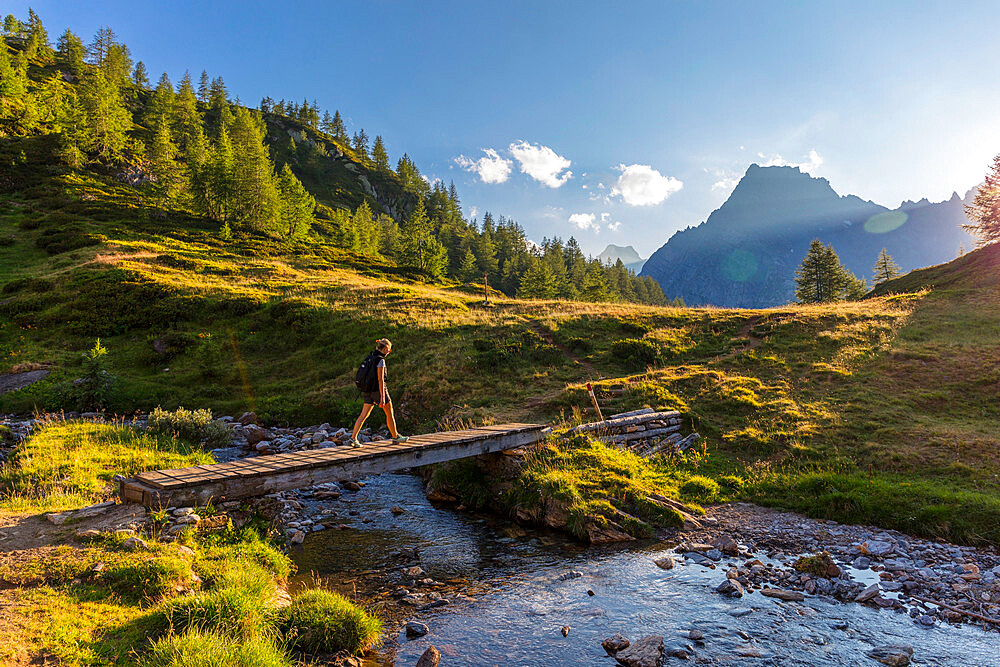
(879, 410)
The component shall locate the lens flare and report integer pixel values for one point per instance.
(882, 223)
(739, 265)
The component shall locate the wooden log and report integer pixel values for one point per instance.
(686, 442)
(609, 424)
(643, 435)
(970, 614)
(663, 445)
(633, 413)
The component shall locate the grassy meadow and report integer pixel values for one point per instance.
(881, 410)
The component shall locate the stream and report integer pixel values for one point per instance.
(506, 603)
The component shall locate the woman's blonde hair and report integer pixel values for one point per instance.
(383, 344)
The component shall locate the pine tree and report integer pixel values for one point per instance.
(107, 119)
(821, 277)
(537, 282)
(13, 80)
(38, 39)
(12, 26)
(326, 125)
(140, 79)
(203, 87)
(71, 53)
(885, 268)
(380, 157)
(595, 285)
(339, 130)
(984, 211)
(162, 155)
(468, 269)
(98, 49)
(218, 96)
(160, 107)
(214, 187)
(117, 65)
(361, 144)
(186, 119)
(255, 193)
(297, 205)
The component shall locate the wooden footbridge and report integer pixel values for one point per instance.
(260, 475)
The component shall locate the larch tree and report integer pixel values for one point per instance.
(107, 119)
(821, 277)
(885, 268)
(984, 211)
(379, 155)
(71, 53)
(98, 49)
(537, 282)
(160, 107)
(186, 119)
(203, 87)
(296, 205)
(140, 77)
(361, 143)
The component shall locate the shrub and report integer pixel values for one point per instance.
(195, 648)
(93, 390)
(191, 425)
(731, 483)
(499, 351)
(699, 488)
(636, 353)
(319, 621)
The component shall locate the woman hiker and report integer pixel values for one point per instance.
(375, 393)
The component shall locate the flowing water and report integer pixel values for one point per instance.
(518, 604)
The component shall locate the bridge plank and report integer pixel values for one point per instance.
(266, 474)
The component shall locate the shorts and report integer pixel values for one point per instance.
(372, 397)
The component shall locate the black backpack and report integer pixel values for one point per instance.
(366, 379)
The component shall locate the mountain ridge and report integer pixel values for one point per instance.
(746, 252)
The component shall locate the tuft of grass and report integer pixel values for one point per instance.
(320, 621)
(196, 426)
(700, 488)
(65, 465)
(195, 648)
(235, 608)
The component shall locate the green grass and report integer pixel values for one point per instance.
(196, 648)
(320, 621)
(70, 464)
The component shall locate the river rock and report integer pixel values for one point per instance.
(731, 588)
(666, 563)
(351, 486)
(695, 635)
(892, 655)
(565, 630)
(614, 643)
(861, 563)
(416, 629)
(135, 543)
(299, 537)
(645, 652)
(430, 658)
(867, 594)
(415, 571)
(255, 434)
(787, 596)
(572, 574)
(877, 548)
(58, 518)
(727, 545)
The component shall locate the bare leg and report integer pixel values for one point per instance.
(390, 419)
(366, 410)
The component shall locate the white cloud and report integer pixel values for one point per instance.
(641, 185)
(605, 217)
(473, 212)
(541, 163)
(812, 161)
(584, 221)
(491, 169)
(613, 226)
(726, 183)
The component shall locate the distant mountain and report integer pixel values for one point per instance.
(746, 253)
(627, 254)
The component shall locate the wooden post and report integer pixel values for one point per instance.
(593, 399)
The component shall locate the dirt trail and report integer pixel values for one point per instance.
(591, 372)
(14, 381)
(744, 332)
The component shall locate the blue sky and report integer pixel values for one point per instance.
(614, 122)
